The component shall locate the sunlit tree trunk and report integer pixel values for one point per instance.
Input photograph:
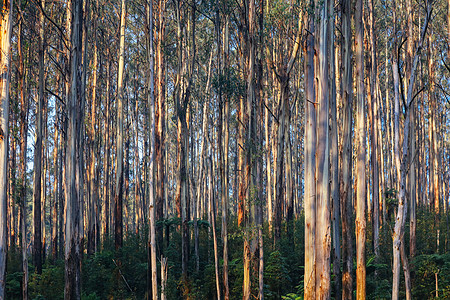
(153, 287)
(160, 116)
(92, 183)
(118, 197)
(310, 161)
(360, 222)
(5, 40)
(323, 207)
(226, 139)
(433, 159)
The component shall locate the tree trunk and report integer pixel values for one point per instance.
(226, 138)
(73, 224)
(23, 159)
(310, 163)
(334, 161)
(323, 207)
(163, 277)
(5, 39)
(360, 222)
(152, 117)
(212, 212)
(346, 154)
(106, 175)
(160, 117)
(118, 197)
(402, 165)
(374, 131)
(92, 213)
(38, 158)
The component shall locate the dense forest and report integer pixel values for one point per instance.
(220, 149)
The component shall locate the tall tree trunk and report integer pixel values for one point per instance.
(374, 131)
(38, 158)
(152, 117)
(334, 159)
(402, 164)
(106, 175)
(92, 184)
(73, 224)
(118, 197)
(310, 161)
(23, 159)
(323, 207)
(412, 168)
(434, 176)
(160, 117)
(5, 39)
(226, 139)
(185, 67)
(360, 222)
(346, 154)
(54, 206)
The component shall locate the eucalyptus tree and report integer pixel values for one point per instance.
(38, 155)
(345, 175)
(401, 164)
(151, 105)
(74, 186)
(360, 222)
(5, 35)
(118, 198)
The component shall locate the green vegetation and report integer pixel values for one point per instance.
(122, 274)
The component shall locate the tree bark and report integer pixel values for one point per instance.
(118, 197)
(334, 160)
(346, 154)
(402, 165)
(160, 117)
(374, 132)
(360, 222)
(106, 175)
(23, 158)
(226, 138)
(5, 39)
(310, 161)
(153, 287)
(323, 207)
(73, 224)
(38, 158)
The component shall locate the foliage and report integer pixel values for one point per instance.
(122, 274)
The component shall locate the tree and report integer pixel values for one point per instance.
(5, 38)
(152, 117)
(346, 153)
(38, 157)
(73, 201)
(118, 199)
(323, 207)
(310, 160)
(360, 223)
(401, 164)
